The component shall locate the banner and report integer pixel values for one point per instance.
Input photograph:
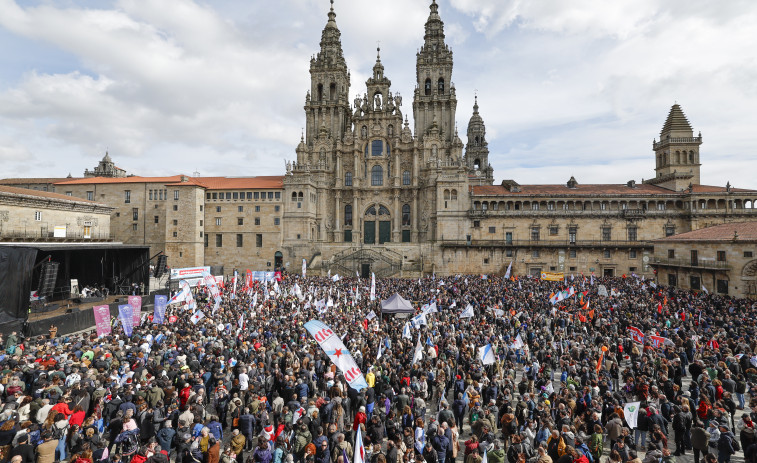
(550, 276)
(631, 413)
(159, 314)
(136, 306)
(102, 320)
(262, 276)
(468, 312)
(509, 267)
(373, 286)
(659, 341)
(191, 274)
(126, 316)
(338, 353)
(636, 334)
(304, 268)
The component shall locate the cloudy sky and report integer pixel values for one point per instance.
(565, 88)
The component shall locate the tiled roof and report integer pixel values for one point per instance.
(234, 183)
(580, 190)
(717, 189)
(676, 121)
(45, 194)
(210, 183)
(26, 181)
(744, 231)
(109, 180)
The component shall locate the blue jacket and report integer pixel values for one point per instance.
(216, 430)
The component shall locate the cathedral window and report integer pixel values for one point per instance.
(440, 86)
(428, 87)
(477, 164)
(405, 215)
(348, 215)
(383, 211)
(294, 196)
(691, 157)
(446, 194)
(453, 196)
(406, 177)
(348, 179)
(377, 176)
(320, 92)
(377, 148)
(332, 91)
(475, 141)
(371, 211)
(299, 197)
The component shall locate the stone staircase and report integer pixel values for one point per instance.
(384, 262)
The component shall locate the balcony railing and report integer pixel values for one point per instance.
(44, 235)
(706, 264)
(546, 243)
(668, 141)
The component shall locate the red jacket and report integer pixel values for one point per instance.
(62, 407)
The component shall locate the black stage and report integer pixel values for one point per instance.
(114, 266)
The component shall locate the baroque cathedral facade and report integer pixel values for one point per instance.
(370, 190)
(363, 176)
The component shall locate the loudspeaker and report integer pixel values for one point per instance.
(160, 267)
(48, 274)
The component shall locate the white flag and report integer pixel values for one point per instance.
(509, 267)
(335, 278)
(304, 267)
(406, 331)
(418, 354)
(468, 312)
(371, 315)
(338, 353)
(518, 343)
(705, 290)
(373, 286)
(429, 308)
(631, 413)
(199, 315)
(549, 388)
(484, 459)
(359, 455)
(486, 354)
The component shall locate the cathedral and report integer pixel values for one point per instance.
(374, 189)
(369, 191)
(363, 176)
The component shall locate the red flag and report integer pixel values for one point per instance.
(365, 324)
(659, 308)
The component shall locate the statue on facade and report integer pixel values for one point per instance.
(378, 102)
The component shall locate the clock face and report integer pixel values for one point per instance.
(478, 173)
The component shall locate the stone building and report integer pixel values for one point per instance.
(28, 215)
(105, 168)
(372, 191)
(367, 193)
(223, 221)
(719, 259)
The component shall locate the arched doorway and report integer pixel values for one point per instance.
(278, 260)
(377, 223)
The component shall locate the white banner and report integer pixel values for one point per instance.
(338, 353)
(304, 268)
(631, 413)
(373, 286)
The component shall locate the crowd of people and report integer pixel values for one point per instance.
(248, 383)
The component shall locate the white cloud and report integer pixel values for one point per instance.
(219, 87)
